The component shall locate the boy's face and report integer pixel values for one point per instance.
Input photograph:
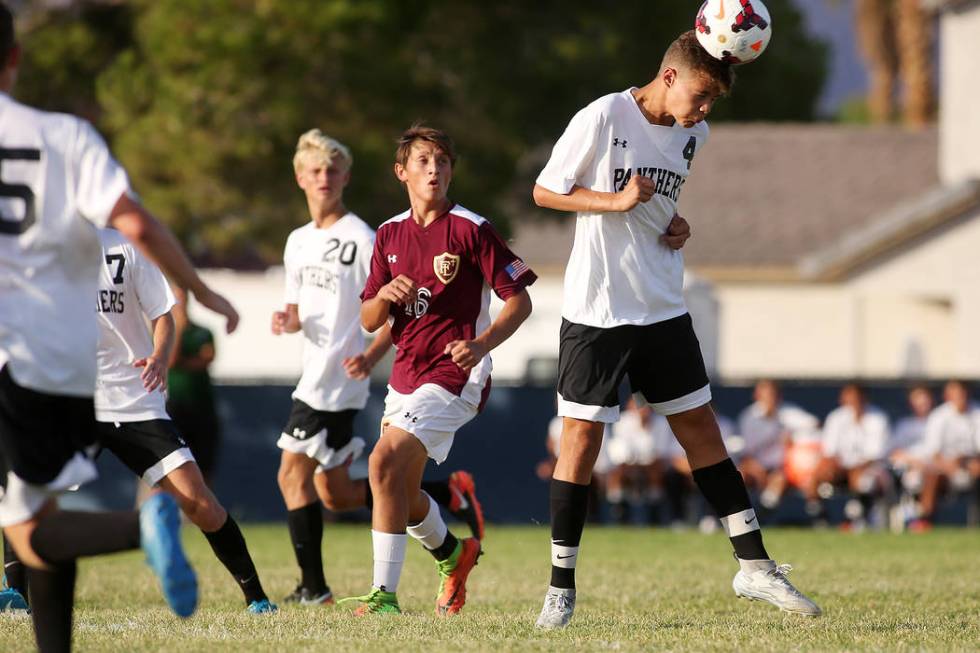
(690, 96)
(322, 183)
(427, 172)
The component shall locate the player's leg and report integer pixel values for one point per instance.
(304, 518)
(591, 365)
(186, 484)
(311, 439)
(13, 594)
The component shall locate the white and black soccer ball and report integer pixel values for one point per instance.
(735, 31)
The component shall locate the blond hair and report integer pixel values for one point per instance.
(316, 146)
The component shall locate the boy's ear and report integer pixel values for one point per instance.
(399, 172)
(669, 75)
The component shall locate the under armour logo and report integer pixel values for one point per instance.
(622, 142)
(392, 258)
(408, 415)
(299, 433)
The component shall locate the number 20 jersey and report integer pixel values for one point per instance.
(325, 272)
(58, 181)
(619, 272)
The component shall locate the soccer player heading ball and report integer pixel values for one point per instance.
(431, 274)
(621, 165)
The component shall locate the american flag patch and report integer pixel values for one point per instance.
(516, 269)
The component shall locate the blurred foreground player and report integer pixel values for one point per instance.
(59, 183)
(431, 274)
(621, 165)
(327, 262)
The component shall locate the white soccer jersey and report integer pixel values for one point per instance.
(326, 270)
(763, 434)
(952, 434)
(856, 441)
(132, 291)
(909, 435)
(58, 181)
(619, 272)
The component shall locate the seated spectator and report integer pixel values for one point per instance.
(767, 428)
(906, 447)
(952, 444)
(638, 464)
(855, 441)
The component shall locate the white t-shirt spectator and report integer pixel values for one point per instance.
(909, 436)
(856, 441)
(952, 434)
(763, 434)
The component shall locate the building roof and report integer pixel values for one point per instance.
(762, 198)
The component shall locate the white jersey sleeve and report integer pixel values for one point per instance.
(292, 269)
(573, 152)
(101, 180)
(152, 289)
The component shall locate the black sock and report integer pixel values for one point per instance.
(14, 569)
(306, 532)
(368, 496)
(52, 598)
(65, 535)
(230, 548)
(724, 489)
(439, 491)
(569, 507)
(444, 550)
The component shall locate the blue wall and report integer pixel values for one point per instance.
(501, 447)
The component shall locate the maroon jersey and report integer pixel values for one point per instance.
(454, 262)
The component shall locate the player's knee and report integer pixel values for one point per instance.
(204, 512)
(581, 441)
(385, 468)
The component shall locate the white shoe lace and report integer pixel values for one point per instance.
(559, 603)
(779, 574)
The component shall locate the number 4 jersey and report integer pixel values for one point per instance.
(57, 180)
(619, 272)
(325, 272)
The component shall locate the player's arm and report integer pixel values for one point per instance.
(154, 374)
(375, 311)
(157, 241)
(638, 189)
(286, 321)
(467, 353)
(360, 366)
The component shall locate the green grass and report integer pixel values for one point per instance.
(638, 590)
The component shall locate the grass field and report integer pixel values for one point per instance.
(638, 590)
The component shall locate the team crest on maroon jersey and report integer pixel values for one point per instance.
(446, 266)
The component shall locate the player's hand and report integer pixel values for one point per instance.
(678, 231)
(638, 189)
(465, 353)
(154, 374)
(221, 306)
(357, 367)
(279, 321)
(400, 290)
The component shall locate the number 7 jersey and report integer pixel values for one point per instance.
(58, 182)
(325, 272)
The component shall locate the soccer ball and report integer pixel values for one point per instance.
(735, 31)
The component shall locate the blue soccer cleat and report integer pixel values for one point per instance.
(265, 606)
(160, 539)
(12, 602)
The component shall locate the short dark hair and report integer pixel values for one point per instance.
(686, 52)
(6, 33)
(421, 132)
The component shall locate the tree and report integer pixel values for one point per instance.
(204, 101)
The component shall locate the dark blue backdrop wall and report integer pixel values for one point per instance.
(501, 447)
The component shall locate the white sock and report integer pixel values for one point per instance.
(389, 556)
(431, 531)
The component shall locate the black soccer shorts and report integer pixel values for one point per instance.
(151, 449)
(662, 361)
(45, 441)
(326, 437)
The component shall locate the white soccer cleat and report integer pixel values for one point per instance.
(559, 605)
(768, 583)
